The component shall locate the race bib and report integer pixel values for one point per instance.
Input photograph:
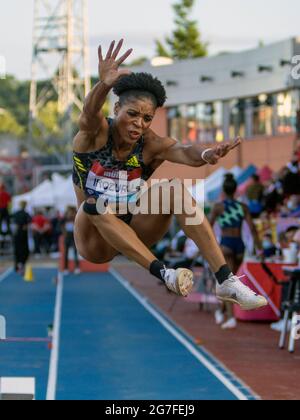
(113, 185)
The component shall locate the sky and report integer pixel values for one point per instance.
(228, 25)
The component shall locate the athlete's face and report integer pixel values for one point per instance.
(134, 118)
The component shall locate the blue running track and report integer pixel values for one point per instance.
(28, 308)
(112, 345)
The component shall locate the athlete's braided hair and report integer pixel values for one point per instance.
(140, 85)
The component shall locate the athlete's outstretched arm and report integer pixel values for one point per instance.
(109, 73)
(173, 151)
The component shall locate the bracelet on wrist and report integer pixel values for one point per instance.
(204, 153)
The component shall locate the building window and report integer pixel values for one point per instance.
(209, 117)
(237, 118)
(196, 124)
(262, 115)
(177, 122)
(287, 104)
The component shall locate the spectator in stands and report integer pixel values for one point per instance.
(297, 237)
(291, 236)
(68, 232)
(21, 220)
(41, 229)
(269, 247)
(254, 194)
(290, 233)
(292, 206)
(5, 200)
(273, 196)
(291, 177)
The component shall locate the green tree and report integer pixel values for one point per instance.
(49, 117)
(185, 41)
(9, 124)
(14, 98)
(48, 136)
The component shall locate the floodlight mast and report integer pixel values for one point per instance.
(60, 57)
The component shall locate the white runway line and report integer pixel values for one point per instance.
(6, 274)
(3, 277)
(53, 368)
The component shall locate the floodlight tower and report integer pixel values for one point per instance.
(61, 58)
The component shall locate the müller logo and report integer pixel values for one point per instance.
(2, 67)
(116, 175)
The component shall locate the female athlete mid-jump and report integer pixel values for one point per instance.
(112, 153)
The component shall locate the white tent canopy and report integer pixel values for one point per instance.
(57, 193)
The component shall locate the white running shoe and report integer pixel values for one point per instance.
(234, 291)
(179, 281)
(231, 324)
(219, 317)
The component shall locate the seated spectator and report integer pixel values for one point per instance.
(290, 233)
(269, 248)
(291, 178)
(283, 243)
(297, 237)
(293, 205)
(273, 196)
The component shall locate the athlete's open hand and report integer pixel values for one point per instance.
(212, 156)
(109, 71)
